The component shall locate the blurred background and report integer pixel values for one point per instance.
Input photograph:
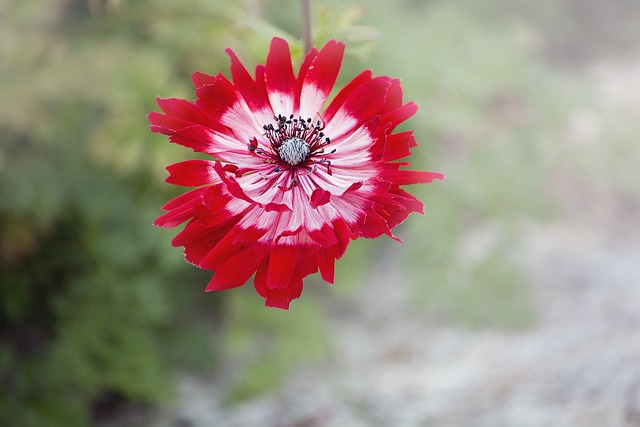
(513, 302)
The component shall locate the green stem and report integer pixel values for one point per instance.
(306, 25)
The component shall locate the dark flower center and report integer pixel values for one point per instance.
(294, 140)
(297, 145)
(294, 150)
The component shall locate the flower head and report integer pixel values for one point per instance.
(290, 182)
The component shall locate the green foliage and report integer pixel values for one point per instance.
(92, 297)
(86, 306)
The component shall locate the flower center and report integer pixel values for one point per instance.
(294, 150)
(296, 146)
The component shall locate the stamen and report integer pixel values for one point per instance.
(297, 147)
(294, 151)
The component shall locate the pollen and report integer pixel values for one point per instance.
(294, 151)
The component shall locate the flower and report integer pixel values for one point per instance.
(289, 183)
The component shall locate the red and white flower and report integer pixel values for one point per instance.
(290, 182)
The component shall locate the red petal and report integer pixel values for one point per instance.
(343, 233)
(373, 226)
(409, 201)
(325, 236)
(235, 240)
(198, 138)
(407, 177)
(179, 108)
(326, 262)
(166, 125)
(282, 298)
(217, 97)
(179, 114)
(320, 78)
(288, 233)
(198, 240)
(393, 99)
(260, 281)
(180, 209)
(238, 268)
(399, 115)
(410, 204)
(307, 261)
(346, 91)
(361, 105)
(255, 97)
(184, 198)
(306, 63)
(192, 173)
(276, 207)
(279, 298)
(260, 80)
(353, 187)
(282, 263)
(319, 197)
(196, 228)
(397, 146)
(200, 79)
(232, 185)
(279, 78)
(213, 211)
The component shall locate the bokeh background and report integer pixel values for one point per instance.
(513, 302)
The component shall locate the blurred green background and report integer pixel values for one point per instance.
(99, 312)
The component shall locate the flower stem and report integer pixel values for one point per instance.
(306, 24)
